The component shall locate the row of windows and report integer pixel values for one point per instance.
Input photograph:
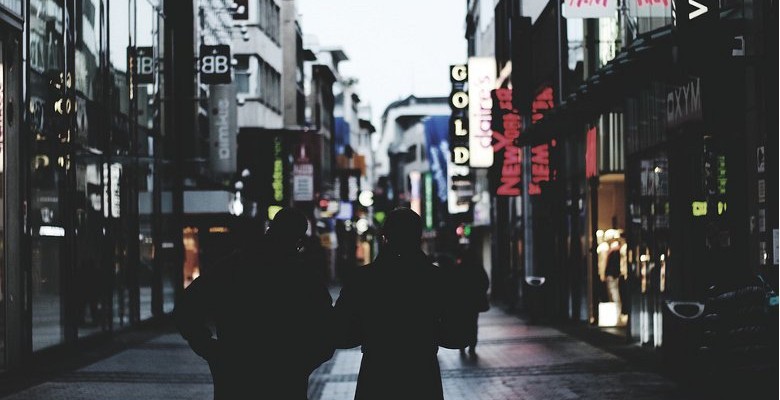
(256, 78)
(269, 19)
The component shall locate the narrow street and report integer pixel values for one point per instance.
(515, 360)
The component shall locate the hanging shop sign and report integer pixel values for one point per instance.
(222, 128)
(481, 81)
(303, 176)
(683, 104)
(589, 8)
(214, 64)
(461, 189)
(507, 170)
(144, 65)
(459, 123)
(649, 8)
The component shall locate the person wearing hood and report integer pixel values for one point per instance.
(271, 314)
(392, 308)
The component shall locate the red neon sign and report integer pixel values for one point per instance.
(540, 155)
(507, 156)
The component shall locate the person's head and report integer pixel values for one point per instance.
(287, 228)
(403, 229)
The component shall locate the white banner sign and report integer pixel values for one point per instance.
(649, 8)
(590, 8)
(482, 79)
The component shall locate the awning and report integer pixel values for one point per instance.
(629, 70)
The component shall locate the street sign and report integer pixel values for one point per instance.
(214, 64)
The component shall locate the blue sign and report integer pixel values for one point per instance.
(437, 130)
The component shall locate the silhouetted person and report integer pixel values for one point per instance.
(271, 313)
(391, 308)
(471, 281)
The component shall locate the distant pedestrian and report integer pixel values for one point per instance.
(271, 312)
(470, 280)
(392, 308)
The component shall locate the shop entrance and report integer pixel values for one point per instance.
(609, 271)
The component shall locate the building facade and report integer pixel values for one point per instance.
(655, 180)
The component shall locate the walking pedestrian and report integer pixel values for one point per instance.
(271, 313)
(472, 281)
(392, 309)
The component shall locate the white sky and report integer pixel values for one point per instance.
(396, 47)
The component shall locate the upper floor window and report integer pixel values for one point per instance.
(269, 19)
(242, 73)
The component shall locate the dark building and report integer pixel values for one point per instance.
(661, 174)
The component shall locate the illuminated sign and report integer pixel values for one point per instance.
(428, 201)
(461, 189)
(699, 208)
(589, 8)
(460, 140)
(278, 171)
(649, 8)
(303, 177)
(459, 73)
(507, 170)
(414, 183)
(459, 185)
(482, 80)
(459, 123)
(540, 155)
(459, 100)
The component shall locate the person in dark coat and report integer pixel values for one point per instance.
(271, 313)
(472, 282)
(392, 308)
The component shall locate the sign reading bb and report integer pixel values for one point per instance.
(215, 64)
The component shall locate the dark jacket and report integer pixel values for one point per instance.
(272, 315)
(392, 309)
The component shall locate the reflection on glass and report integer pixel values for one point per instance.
(45, 61)
(146, 244)
(93, 277)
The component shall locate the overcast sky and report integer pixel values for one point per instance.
(396, 47)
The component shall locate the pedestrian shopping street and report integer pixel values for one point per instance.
(515, 360)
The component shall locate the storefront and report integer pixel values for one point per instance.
(85, 211)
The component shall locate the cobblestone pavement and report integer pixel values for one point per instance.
(514, 361)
